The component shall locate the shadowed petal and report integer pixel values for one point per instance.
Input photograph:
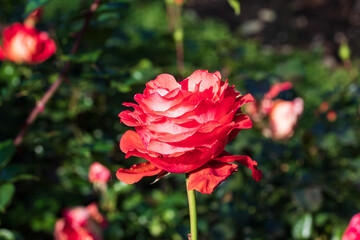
(137, 172)
(209, 176)
(2, 57)
(226, 157)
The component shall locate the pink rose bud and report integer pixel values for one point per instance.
(98, 173)
(34, 17)
(23, 44)
(352, 232)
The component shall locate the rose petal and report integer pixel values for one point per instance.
(243, 121)
(246, 98)
(137, 172)
(209, 176)
(1, 54)
(205, 80)
(226, 157)
(166, 81)
(177, 163)
(131, 141)
(277, 88)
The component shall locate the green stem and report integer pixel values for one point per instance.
(192, 210)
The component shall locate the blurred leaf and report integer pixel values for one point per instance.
(12, 172)
(83, 57)
(235, 4)
(303, 227)
(6, 193)
(7, 150)
(338, 231)
(24, 177)
(121, 87)
(103, 146)
(309, 198)
(34, 4)
(344, 51)
(6, 234)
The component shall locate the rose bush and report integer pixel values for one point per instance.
(25, 44)
(184, 128)
(352, 232)
(80, 223)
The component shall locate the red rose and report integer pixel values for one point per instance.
(24, 44)
(98, 173)
(183, 128)
(352, 232)
(80, 223)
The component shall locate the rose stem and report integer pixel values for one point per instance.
(192, 210)
(50, 92)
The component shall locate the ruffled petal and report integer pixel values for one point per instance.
(164, 82)
(131, 141)
(204, 79)
(246, 98)
(209, 176)
(226, 157)
(137, 172)
(132, 145)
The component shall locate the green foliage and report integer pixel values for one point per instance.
(7, 150)
(6, 193)
(235, 4)
(34, 4)
(310, 185)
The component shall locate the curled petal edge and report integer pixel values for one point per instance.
(241, 159)
(137, 172)
(209, 176)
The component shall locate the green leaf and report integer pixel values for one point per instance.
(235, 4)
(6, 234)
(7, 150)
(6, 193)
(34, 4)
(103, 146)
(83, 57)
(24, 177)
(303, 227)
(344, 51)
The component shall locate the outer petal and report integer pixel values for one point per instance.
(226, 157)
(204, 79)
(277, 88)
(352, 231)
(137, 172)
(163, 81)
(246, 98)
(131, 141)
(209, 176)
(2, 57)
(45, 48)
